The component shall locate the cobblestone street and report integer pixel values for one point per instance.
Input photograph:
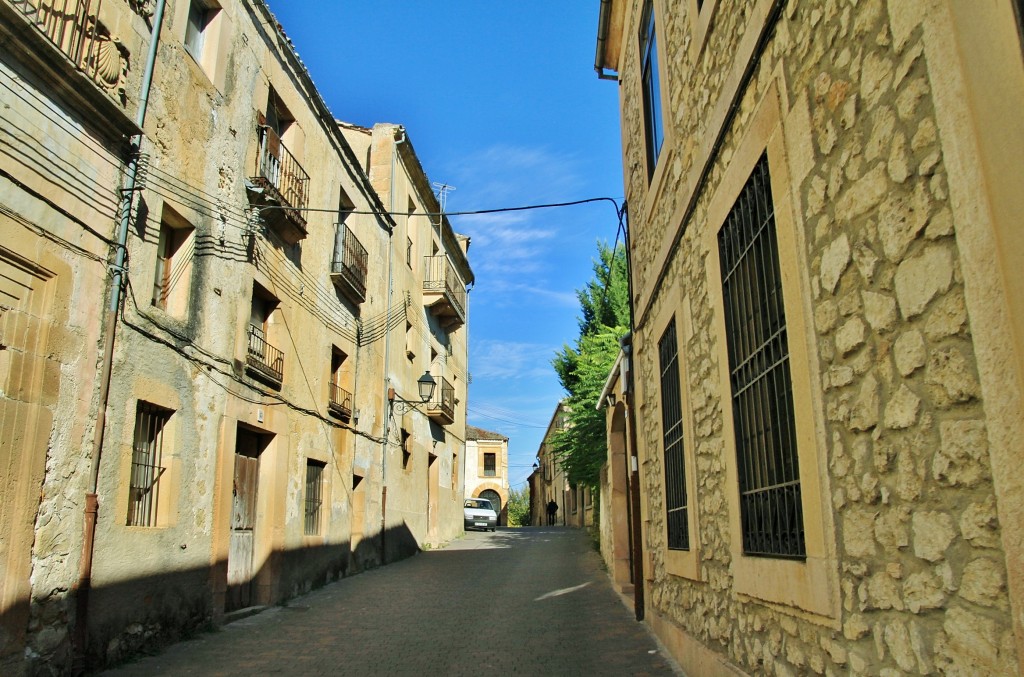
(529, 601)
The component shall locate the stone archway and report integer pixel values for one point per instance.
(618, 477)
(492, 496)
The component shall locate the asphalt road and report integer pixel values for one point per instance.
(532, 601)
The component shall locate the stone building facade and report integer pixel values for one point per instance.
(828, 377)
(548, 482)
(487, 469)
(254, 438)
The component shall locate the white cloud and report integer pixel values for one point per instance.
(511, 360)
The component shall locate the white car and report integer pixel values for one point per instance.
(478, 513)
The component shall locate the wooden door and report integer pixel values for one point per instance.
(243, 522)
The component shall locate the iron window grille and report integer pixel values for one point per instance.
(653, 124)
(147, 455)
(755, 321)
(677, 510)
(490, 465)
(314, 496)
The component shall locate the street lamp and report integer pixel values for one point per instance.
(425, 384)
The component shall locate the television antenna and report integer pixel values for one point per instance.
(442, 193)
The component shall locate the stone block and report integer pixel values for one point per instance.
(864, 414)
(850, 336)
(962, 457)
(933, 533)
(879, 310)
(923, 591)
(858, 533)
(951, 377)
(909, 352)
(921, 278)
(834, 261)
(901, 217)
(902, 409)
(984, 583)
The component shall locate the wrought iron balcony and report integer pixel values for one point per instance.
(340, 402)
(348, 270)
(262, 359)
(444, 292)
(441, 407)
(65, 42)
(285, 186)
(73, 28)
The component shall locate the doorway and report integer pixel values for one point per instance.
(495, 499)
(249, 445)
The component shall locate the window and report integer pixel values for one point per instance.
(262, 357)
(677, 518)
(339, 399)
(198, 20)
(653, 126)
(490, 465)
(455, 470)
(408, 252)
(314, 495)
(406, 448)
(147, 456)
(410, 342)
(173, 274)
(771, 515)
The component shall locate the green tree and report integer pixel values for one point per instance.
(519, 507)
(583, 368)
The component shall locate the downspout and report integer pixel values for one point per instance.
(602, 37)
(386, 402)
(83, 586)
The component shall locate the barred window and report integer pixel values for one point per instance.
(490, 465)
(654, 130)
(147, 455)
(314, 495)
(672, 439)
(755, 321)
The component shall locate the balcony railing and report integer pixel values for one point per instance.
(348, 270)
(340, 402)
(285, 182)
(442, 407)
(263, 358)
(72, 27)
(444, 292)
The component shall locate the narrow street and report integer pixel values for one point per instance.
(519, 601)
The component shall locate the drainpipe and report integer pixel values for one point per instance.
(602, 37)
(385, 400)
(83, 586)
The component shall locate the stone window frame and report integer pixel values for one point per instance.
(157, 396)
(215, 38)
(701, 13)
(313, 506)
(654, 180)
(680, 563)
(653, 134)
(173, 270)
(811, 585)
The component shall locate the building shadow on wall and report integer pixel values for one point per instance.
(141, 616)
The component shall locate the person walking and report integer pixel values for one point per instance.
(552, 509)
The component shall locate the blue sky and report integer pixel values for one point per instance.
(501, 101)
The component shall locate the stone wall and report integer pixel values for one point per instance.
(902, 428)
